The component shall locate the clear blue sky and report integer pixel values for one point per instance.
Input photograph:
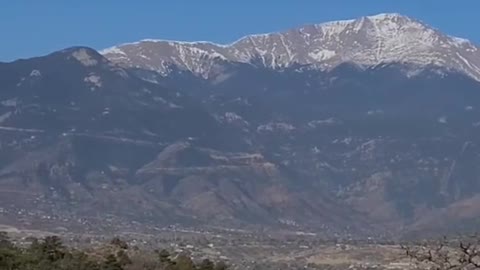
(31, 28)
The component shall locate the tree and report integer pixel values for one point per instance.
(165, 260)
(78, 261)
(221, 266)
(52, 247)
(5, 240)
(184, 262)
(446, 254)
(50, 254)
(123, 258)
(9, 259)
(206, 264)
(117, 242)
(164, 256)
(111, 263)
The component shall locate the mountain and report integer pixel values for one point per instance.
(367, 41)
(398, 149)
(83, 139)
(335, 146)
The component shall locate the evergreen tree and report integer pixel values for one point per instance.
(206, 264)
(221, 266)
(5, 240)
(117, 242)
(111, 263)
(184, 262)
(123, 258)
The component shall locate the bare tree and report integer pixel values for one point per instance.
(445, 254)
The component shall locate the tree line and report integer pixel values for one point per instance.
(50, 253)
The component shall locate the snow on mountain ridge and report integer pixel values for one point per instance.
(370, 40)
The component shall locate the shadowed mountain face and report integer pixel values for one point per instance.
(361, 149)
(398, 148)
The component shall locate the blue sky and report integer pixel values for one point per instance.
(31, 28)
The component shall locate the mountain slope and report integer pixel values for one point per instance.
(363, 150)
(83, 138)
(398, 148)
(368, 41)
(376, 132)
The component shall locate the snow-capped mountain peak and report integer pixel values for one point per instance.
(370, 40)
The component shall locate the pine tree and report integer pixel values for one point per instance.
(184, 262)
(206, 264)
(5, 240)
(111, 263)
(221, 266)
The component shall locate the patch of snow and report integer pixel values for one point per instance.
(28, 130)
(113, 50)
(413, 72)
(374, 112)
(163, 101)
(334, 27)
(276, 126)
(384, 16)
(442, 120)
(460, 41)
(93, 79)
(144, 56)
(329, 121)
(469, 108)
(347, 140)
(289, 52)
(321, 55)
(84, 57)
(21, 82)
(10, 102)
(35, 73)
(180, 42)
(231, 116)
(159, 99)
(5, 116)
(172, 105)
